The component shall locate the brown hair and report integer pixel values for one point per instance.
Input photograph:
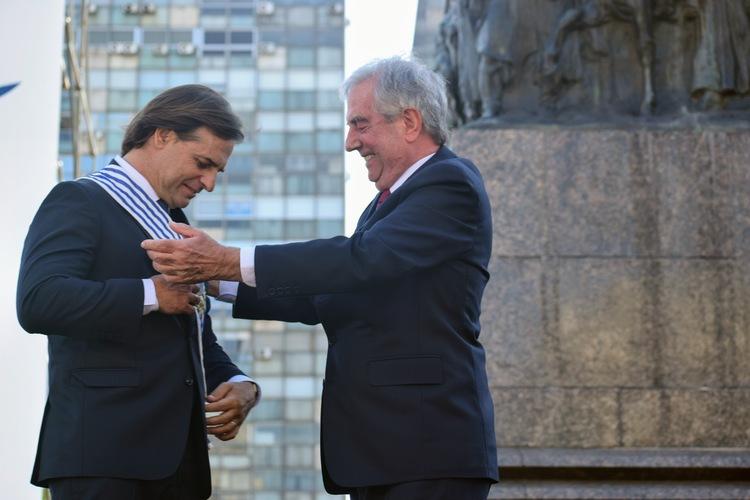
(183, 109)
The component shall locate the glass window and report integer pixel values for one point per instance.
(101, 16)
(212, 77)
(97, 79)
(300, 184)
(300, 480)
(267, 183)
(158, 18)
(123, 62)
(213, 59)
(270, 142)
(269, 207)
(97, 37)
(300, 163)
(213, 17)
(181, 36)
(121, 100)
(152, 60)
(181, 78)
(150, 79)
(329, 142)
(329, 120)
(241, 18)
(330, 184)
(300, 122)
(301, 79)
(241, 81)
(97, 100)
(300, 207)
(330, 207)
(329, 99)
(300, 363)
(300, 142)
(241, 58)
(330, 56)
(183, 16)
(300, 387)
(301, 433)
(299, 456)
(267, 480)
(301, 16)
(301, 100)
(241, 37)
(215, 37)
(154, 36)
(270, 99)
(329, 79)
(301, 57)
(238, 230)
(114, 140)
(268, 230)
(266, 456)
(271, 121)
(328, 229)
(299, 229)
(271, 80)
(119, 17)
(269, 433)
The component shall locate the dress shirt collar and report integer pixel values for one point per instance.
(136, 177)
(409, 171)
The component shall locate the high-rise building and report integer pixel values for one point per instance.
(280, 65)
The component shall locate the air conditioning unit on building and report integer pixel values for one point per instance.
(267, 48)
(185, 48)
(265, 8)
(161, 50)
(93, 9)
(123, 48)
(131, 9)
(337, 9)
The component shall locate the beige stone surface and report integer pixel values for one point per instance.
(618, 309)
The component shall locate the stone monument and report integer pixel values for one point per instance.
(614, 139)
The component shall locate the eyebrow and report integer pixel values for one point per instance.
(209, 161)
(356, 120)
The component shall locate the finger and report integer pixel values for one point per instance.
(223, 418)
(194, 288)
(220, 392)
(184, 229)
(221, 405)
(166, 246)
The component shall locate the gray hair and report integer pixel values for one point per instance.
(402, 84)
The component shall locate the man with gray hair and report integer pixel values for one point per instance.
(406, 411)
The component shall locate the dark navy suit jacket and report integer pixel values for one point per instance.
(405, 395)
(122, 386)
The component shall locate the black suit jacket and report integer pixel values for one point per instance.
(122, 386)
(405, 395)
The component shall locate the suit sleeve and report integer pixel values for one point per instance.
(54, 294)
(435, 221)
(294, 310)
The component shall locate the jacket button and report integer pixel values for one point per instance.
(188, 381)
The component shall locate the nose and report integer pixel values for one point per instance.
(352, 140)
(208, 180)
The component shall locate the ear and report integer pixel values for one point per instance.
(412, 124)
(161, 137)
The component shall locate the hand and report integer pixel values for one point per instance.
(234, 400)
(174, 298)
(196, 258)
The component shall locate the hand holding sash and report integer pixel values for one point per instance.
(175, 298)
(195, 258)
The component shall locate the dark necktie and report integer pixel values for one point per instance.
(163, 205)
(383, 196)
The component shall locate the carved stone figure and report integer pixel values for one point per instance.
(722, 59)
(495, 55)
(595, 13)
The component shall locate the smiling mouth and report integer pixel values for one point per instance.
(368, 157)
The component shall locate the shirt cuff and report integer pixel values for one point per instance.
(244, 378)
(247, 265)
(228, 291)
(150, 302)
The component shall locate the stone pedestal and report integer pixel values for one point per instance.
(617, 316)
